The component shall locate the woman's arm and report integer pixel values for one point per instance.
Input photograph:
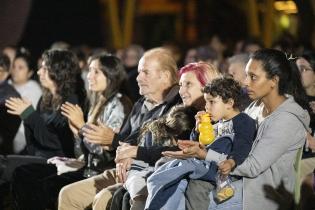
(279, 135)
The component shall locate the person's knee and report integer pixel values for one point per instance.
(102, 199)
(66, 195)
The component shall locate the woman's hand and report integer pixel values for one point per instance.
(74, 113)
(312, 106)
(225, 167)
(189, 149)
(125, 151)
(98, 134)
(121, 169)
(74, 130)
(17, 105)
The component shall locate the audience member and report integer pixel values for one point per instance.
(157, 81)
(281, 132)
(36, 186)
(46, 130)
(10, 123)
(22, 72)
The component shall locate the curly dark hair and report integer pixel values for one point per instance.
(115, 74)
(177, 124)
(226, 88)
(63, 69)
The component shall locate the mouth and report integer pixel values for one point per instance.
(250, 92)
(184, 98)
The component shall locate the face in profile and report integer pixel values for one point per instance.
(44, 77)
(237, 71)
(307, 73)
(190, 88)
(256, 82)
(20, 72)
(96, 78)
(215, 107)
(149, 77)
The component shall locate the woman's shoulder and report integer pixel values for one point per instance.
(116, 103)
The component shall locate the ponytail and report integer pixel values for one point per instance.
(276, 63)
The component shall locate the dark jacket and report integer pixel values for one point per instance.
(47, 133)
(138, 116)
(9, 124)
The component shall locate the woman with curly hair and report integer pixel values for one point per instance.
(46, 130)
(108, 109)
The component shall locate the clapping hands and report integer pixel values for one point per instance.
(17, 105)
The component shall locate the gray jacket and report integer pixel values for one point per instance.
(273, 154)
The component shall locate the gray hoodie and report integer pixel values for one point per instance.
(273, 154)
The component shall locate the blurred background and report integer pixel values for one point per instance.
(115, 24)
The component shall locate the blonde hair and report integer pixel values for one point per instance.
(165, 60)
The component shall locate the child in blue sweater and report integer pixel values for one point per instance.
(235, 133)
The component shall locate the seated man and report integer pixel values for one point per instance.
(157, 81)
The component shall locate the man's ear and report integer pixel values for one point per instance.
(166, 75)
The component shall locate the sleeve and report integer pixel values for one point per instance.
(222, 145)
(245, 130)
(152, 154)
(285, 131)
(45, 137)
(114, 115)
(125, 134)
(50, 133)
(215, 156)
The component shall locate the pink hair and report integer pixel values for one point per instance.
(203, 71)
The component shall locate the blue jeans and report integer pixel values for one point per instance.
(177, 200)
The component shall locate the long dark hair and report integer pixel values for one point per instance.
(115, 74)
(277, 63)
(63, 69)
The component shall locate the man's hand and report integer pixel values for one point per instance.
(125, 151)
(17, 105)
(121, 169)
(225, 167)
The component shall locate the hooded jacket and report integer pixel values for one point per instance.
(272, 157)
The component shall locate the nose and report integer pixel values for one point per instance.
(138, 78)
(181, 90)
(39, 71)
(89, 75)
(246, 81)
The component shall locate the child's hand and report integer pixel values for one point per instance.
(198, 118)
(226, 166)
(192, 148)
